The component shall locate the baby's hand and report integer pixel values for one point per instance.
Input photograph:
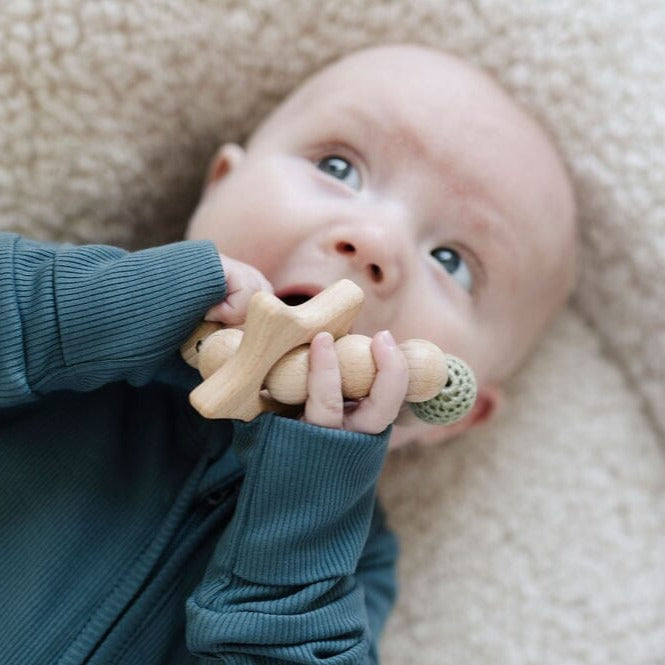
(242, 282)
(325, 404)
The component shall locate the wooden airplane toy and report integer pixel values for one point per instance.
(264, 367)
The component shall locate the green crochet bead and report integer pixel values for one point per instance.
(455, 399)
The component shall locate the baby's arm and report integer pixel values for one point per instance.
(304, 571)
(78, 317)
(299, 575)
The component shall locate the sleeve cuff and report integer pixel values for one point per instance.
(306, 504)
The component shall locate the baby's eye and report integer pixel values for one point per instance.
(342, 169)
(454, 265)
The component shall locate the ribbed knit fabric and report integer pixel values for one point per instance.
(284, 544)
(118, 502)
(281, 586)
(136, 309)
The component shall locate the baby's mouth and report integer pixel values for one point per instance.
(295, 299)
(297, 295)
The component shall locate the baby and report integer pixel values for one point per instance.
(414, 175)
(132, 528)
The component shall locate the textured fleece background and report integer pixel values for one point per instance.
(540, 539)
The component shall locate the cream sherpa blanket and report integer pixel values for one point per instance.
(540, 539)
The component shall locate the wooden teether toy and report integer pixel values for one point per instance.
(265, 366)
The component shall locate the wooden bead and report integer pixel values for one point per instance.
(287, 380)
(216, 349)
(356, 365)
(192, 345)
(428, 369)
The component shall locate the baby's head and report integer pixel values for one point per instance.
(413, 174)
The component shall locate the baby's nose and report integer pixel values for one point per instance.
(373, 253)
(357, 255)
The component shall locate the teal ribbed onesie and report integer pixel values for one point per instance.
(133, 530)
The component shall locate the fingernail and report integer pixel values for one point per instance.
(387, 338)
(325, 335)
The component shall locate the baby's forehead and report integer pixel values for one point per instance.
(406, 92)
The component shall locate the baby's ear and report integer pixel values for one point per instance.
(489, 401)
(224, 161)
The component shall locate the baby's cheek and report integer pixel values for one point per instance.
(408, 429)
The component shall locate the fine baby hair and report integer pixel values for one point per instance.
(264, 368)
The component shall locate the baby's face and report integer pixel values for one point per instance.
(413, 175)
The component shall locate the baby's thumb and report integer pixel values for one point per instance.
(242, 282)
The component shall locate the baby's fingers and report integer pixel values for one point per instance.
(381, 407)
(324, 406)
(242, 282)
